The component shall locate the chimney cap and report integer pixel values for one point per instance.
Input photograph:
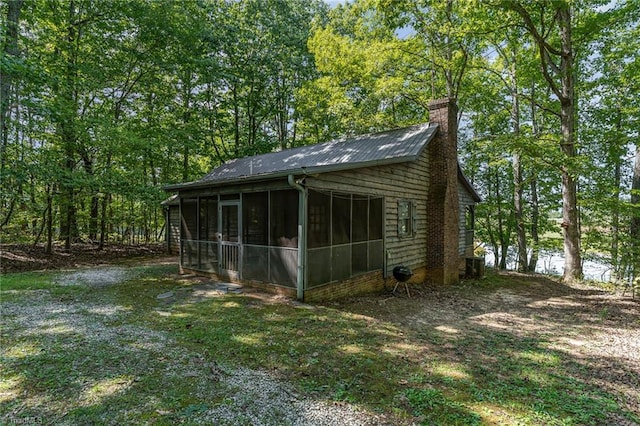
(440, 103)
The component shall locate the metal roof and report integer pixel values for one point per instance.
(393, 146)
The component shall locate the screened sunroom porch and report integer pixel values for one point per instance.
(258, 236)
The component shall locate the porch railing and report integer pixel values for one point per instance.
(230, 256)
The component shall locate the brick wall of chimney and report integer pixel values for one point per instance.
(442, 205)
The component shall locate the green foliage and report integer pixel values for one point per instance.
(367, 77)
(114, 100)
(109, 101)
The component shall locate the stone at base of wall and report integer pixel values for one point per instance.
(444, 276)
(372, 282)
(266, 287)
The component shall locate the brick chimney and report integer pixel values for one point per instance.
(443, 211)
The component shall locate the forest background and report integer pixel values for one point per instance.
(105, 102)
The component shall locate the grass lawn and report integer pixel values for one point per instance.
(79, 351)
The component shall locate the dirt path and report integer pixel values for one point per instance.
(599, 329)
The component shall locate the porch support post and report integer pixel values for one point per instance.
(302, 235)
(180, 231)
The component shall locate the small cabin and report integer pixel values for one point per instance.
(331, 220)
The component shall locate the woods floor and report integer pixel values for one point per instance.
(97, 345)
(26, 257)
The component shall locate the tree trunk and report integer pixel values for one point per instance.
(635, 215)
(6, 77)
(535, 207)
(186, 119)
(44, 224)
(504, 242)
(6, 82)
(236, 122)
(535, 220)
(93, 218)
(67, 117)
(494, 244)
(49, 220)
(94, 205)
(67, 203)
(566, 95)
(106, 198)
(618, 273)
(103, 220)
(570, 214)
(517, 181)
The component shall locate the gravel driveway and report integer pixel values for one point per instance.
(98, 328)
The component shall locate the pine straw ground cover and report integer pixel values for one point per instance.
(97, 346)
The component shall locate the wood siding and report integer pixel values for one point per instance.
(173, 230)
(465, 200)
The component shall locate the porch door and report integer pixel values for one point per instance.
(229, 247)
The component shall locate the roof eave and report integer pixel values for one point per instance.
(468, 185)
(296, 172)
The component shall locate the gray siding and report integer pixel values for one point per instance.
(394, 182)
(465, 199)
(173, 230)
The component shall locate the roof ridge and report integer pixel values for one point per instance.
(336, 141)
(395, 129)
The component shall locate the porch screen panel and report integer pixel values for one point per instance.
(360, 258)
(284, 218)
(189, 209)
(319, 219)
(356, 237)
(341, 218)
(319, 266)
(376, 214)
(376, 255)
(283, 266)
(376, 245)
(255, 216)
(360, 219)
(208, 243)
(230, 223)
(340, 262)
(255, 263)
(208, 219)
(208, 256)
(189, 240)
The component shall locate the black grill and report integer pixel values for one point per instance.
(402, 273)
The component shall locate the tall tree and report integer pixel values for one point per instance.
(610, 113)
(449, 31)
(550, 24)
(8, 74)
